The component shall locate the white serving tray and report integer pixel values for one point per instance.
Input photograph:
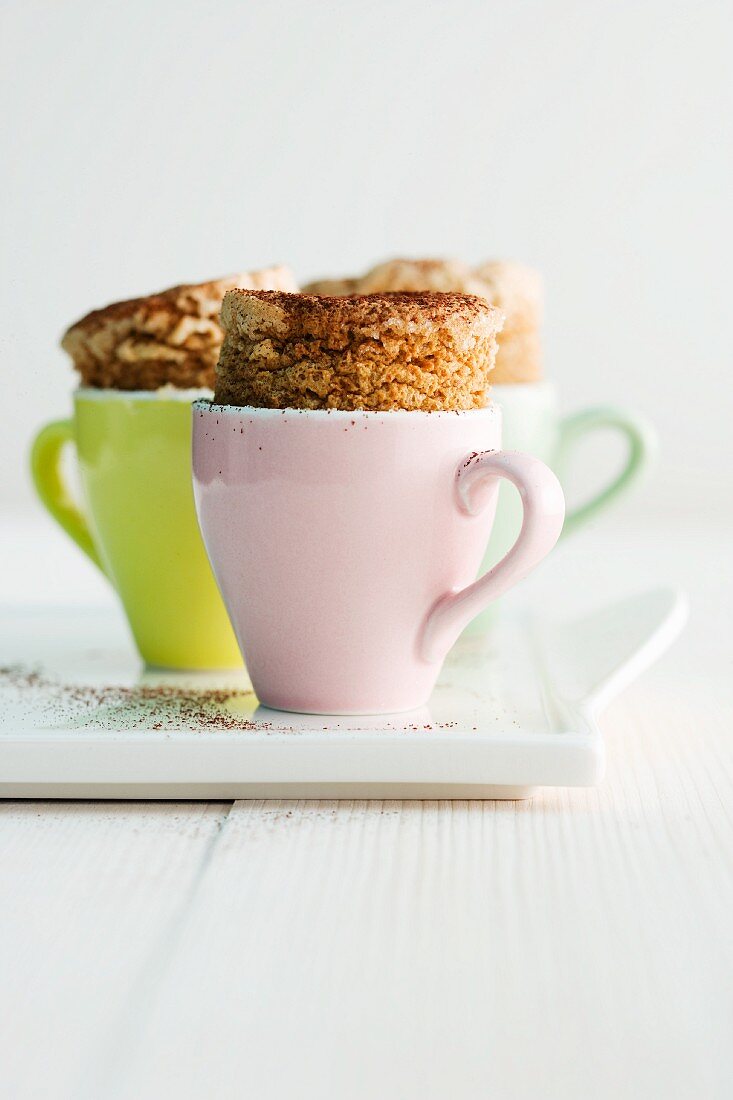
(515, 709)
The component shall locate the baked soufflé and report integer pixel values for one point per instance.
(167, 339)
(426, 352)
(513, 288)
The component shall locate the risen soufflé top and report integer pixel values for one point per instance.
(171, 338)
(417, 351)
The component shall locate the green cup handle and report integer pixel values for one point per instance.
(50, 486)
(640, 437)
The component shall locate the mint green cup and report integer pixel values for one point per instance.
(532, 423)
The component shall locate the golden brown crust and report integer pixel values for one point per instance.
(383, 351)
(438, 276)
(515, 289)
(171, 338)
(332, 288)
(518, 359)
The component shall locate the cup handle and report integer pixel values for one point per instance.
(543, 512)
(641, 439)
(52, 491)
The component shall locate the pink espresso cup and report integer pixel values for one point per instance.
(346, 544)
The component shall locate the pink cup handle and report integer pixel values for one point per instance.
(544, 511)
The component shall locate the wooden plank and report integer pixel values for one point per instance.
(92, 897)
(576, 945)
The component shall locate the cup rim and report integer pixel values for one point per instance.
(163, 393)
(207, 406)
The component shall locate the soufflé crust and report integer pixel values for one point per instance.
(167, 339)
(513, 288)
(440, 276)
(427, 352)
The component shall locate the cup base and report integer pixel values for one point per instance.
(339, 710)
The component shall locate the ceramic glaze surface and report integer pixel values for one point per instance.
(139, 524)
(532, 422)
(345, 544)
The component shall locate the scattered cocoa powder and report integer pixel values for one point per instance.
(141, 706)
(158, 707)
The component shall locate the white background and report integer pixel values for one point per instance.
(149, 143)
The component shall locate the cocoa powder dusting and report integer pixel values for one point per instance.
(161, 707)
(142, 706)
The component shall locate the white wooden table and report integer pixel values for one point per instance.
(580, 944)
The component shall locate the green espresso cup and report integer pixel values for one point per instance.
(532, 422)
(139, 526)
